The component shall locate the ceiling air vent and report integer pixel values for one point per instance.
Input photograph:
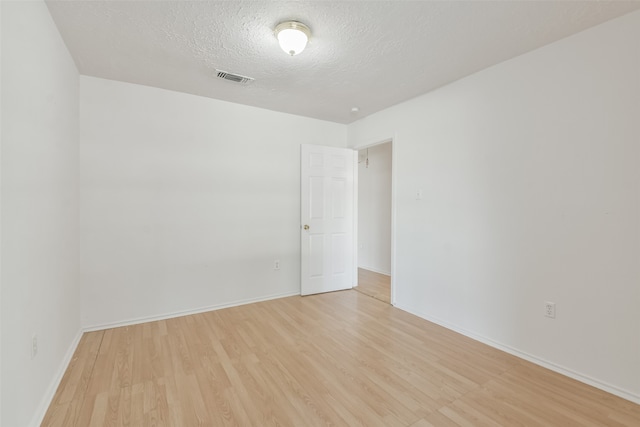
(233, 77)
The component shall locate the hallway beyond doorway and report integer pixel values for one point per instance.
(374, 284)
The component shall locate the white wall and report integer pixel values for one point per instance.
(531, 173)
(40, 293)
(187, 201)
(374, 209)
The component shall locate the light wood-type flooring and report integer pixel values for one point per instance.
(341, 359)
(374, 284)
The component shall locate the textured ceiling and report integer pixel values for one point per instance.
(369, 54)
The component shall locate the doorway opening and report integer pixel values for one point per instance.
(375, 221)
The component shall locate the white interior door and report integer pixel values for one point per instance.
(327, 214)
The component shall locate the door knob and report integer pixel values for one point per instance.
(306, 227)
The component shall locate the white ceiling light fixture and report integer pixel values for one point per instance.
(292, 36)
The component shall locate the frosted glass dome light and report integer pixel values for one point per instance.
(292, 36)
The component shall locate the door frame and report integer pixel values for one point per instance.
(391, 140)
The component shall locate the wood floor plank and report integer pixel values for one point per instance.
(341, 359)
(422, 423)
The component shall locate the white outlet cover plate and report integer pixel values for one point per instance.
(550, 309)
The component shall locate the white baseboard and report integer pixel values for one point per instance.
(375, 270)
(37, 418)
(625, 394)
(165, 316)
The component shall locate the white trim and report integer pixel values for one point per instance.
(145, 319)
(356, 174)
(375, 270)
(47, 399)
(625, 394)
(394, 180)
(1, 222)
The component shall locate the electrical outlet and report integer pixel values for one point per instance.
(550, 309)
(276, 264)
(34, 346)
